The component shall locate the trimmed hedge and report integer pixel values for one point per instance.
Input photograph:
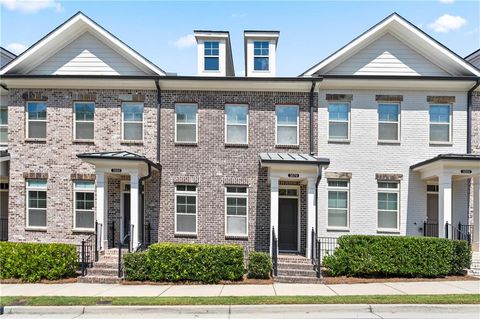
(34, 261)
(394, 256)
(186, 262)
(259, 265)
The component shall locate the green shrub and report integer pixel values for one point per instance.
(462, 257)
(34, 261)
(136, 266)
(193, 262)
(259, 265)
(392, 256)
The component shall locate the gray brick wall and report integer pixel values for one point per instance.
(475, 141)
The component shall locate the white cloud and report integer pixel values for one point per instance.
(16, 48)
(186, 41)
(447, 1)
(31, 6)
(447, 23)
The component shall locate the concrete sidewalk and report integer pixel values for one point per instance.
(277, 289)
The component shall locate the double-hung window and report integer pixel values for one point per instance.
(132, 121)
(388, 205)
(186, 209)
(3, 125)
(84, 117)
(236, 200)
(236, 119)
(287, 124)
(261, 55)
(440, 123)
(211, 54)
(338, 199)
(36, 203)
(84, 205)
(338, 121)
(186, 123)
(389, 122)
(37, 120)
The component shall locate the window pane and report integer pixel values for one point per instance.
(338, 111)
(440, 113)
(338, 130)
(211, 63)
(334, 183)
(37, 129)
(388, 131)
(84, 185)
(236, 134)
(387, 219)
(186, 223)
(286, 135)
(236, 114)
(3, 115)
(84, 131)
(287, 115)
(37, 218)
(439, 133)
(37, 110)
(388, 112)
(133, 112)
(84, 111)
(84, 219)
(337, 218)
(236, 225)
(3, 135)
(337, 199)
(260, 63)
(186, 113)
(36, 183)
(133, 131)
(186, 133)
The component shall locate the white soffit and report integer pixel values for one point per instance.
(67, 33)
(401, 84)
(409, 35)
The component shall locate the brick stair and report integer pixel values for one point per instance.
(105, 270)
(295, 269)
(475, 266)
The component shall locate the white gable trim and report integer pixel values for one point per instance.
(377, 30)
(87, 24)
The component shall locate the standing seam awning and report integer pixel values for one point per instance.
(292, 158)
(119, 155)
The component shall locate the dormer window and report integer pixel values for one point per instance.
(211, 56)
(260, 55)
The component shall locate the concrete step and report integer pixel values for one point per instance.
(473, 272)
(105, 264)
(296, 273)
(99, 279)
(102, 272)
(297, 279)
(113, 252)
(298, 266)
(293, 260)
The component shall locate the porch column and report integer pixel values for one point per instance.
(100, 208)
(444, 204)
(134, 218)
(310, 214)
(273, 209)
(476, 213)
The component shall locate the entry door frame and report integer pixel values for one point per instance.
(428, 193)
(299, 231)
(122, 209)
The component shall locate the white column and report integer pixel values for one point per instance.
(476, 213)
(310, 214)
(273, 208)
(444, 204)
(100, 208)
(134, 216)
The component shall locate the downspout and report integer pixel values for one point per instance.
(469, 116)
(159, 108)
(310, 109)
(141, 207)
(317, 182)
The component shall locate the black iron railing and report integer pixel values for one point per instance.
(274, 253)
(430, 229)
(462, 232)
(3, 229)
(111, 234)
(326, 246)
(315, 253)
(88, 251)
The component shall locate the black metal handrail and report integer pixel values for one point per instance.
(315, 253)
(463, 232)
(274, 253)
(430, 229)
(88, 251)
(3, 229)
(111, 234)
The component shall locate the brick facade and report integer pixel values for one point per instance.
(475, 140)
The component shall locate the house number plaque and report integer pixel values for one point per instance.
(293, 175)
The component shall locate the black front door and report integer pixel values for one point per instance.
(126, 214)
(288, 224)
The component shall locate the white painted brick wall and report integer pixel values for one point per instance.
(363, 157)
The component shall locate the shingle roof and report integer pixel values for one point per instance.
(118, 155)
(293, 158)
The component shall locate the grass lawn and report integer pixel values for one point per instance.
(253, 300)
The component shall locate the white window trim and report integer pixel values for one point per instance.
(133, 122)
(394, 191)
(450, 126)
(4, 125)
(211, 56)
(261, 56)
(27, 199)
(398, 122)
(186, 193)
(226, 124)
(27, 137)
(75, 121)
(287, 125)
(79, 190)
(236, 195)
(196, 124)
(345, 189)
(332, 139)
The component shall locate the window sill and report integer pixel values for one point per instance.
(83, 141)
(84, 230)
(243, 145)
(388, 231)
(131, 142)
(338, 141)
(186, 144)
(388, 142)
(237, 237)
(287, 146)
(440, 143)
(36, 140)
(331, 229)
(39, 229)
(185, 235)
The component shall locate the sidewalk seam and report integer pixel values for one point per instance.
(388, 285)
(332, 290)
(170, 286)
(274, 290)
(221, 290)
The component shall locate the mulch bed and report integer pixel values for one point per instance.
(245, 281)
(355, 280)
(43, 281)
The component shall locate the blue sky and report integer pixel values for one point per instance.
(309, 31)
